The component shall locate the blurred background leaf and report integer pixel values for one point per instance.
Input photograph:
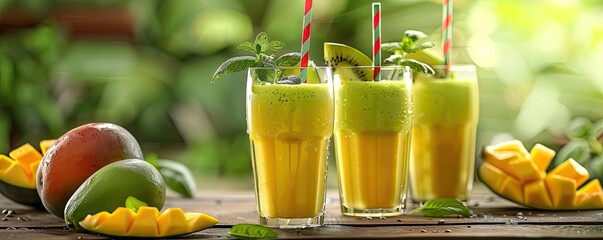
(147, 65)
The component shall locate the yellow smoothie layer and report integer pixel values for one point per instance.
(443, 138)
(372, 136)
(289, 128)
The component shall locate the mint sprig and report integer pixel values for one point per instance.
(262, 50)
(442, 207)
(408, 45)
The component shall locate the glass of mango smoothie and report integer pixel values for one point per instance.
(444, 134)
(372, 140)
(290, 124)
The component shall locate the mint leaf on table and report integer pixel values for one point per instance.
(134, 204)
(442, 207)
(262, 50)
(251, 231)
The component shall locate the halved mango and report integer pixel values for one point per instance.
(18, 174)
(147, 222)
(525, 180)
(46, 144)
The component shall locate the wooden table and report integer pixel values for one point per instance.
(492, 218)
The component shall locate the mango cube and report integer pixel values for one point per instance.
(117, 222)
(199, 221)
(511, 188)
(492, 176)
(26, 154)
(536, 194)
(590, 196)
(46, 144)
(5, 162)
(15, 175)
(525, 170)
(172, 221)
(502, 154)
(562, 190)
(571, 169)
(542, 156)
(145, 222)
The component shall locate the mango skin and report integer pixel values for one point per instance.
(25, 196)
(109, 187)
(78, 154)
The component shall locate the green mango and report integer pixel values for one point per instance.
(109, 187)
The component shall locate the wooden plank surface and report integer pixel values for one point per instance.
(492, 218)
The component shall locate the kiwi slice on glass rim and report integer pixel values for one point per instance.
(341, 57)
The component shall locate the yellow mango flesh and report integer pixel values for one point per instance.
(492, 176)
(21, 168)
(572, 169)
(525, 170)
(502, 154)
(536, 194)
(147, 222)
(46, 144)
(525, 180)
(562, 190)
(590, 196)
(26, 155)
(511, 188)
(542, 156)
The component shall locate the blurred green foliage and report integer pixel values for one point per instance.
(539, 66)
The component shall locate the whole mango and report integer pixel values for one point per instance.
(78, 154)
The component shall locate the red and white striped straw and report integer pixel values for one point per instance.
(447, 32)
(377, 41)
(305, 48)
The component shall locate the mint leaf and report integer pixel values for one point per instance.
(579, 127)
(261, 43)
(577, 149)
(275, 46)
(134, 204)
(235, 64)
(251, 231)
(395, 58)
(177, 177)
(441, 207)
(288, 60)
(414, 35)
(392, 47)
(247, 46)
(417, 66)
(421, 47)
(152, 159)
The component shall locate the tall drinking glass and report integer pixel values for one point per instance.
(444, 132)
(372, 140)
(289, 125)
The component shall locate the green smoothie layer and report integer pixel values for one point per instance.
(384, 106)
(297, 110)
(445, 101)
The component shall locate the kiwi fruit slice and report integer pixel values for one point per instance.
(339, 56)
(312, 77)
